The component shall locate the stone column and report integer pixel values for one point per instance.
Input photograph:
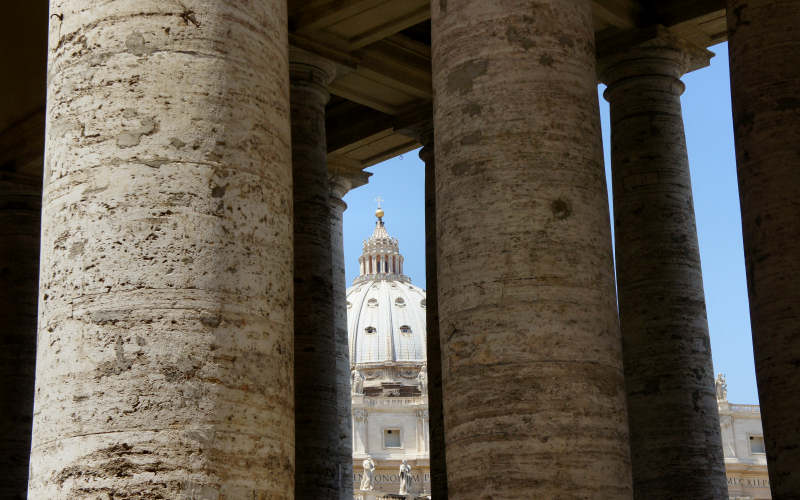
(672, 407)
(534, 399)
(164, 364)
(434, 355)
(21, 155)
(341, 181)
(764, 48)
(316, 418)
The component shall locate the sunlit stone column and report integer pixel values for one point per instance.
(316, 418)
(21, 155)
(164, 366)
(534, 398)
(342, 178)
(764, 49)
(672, 408)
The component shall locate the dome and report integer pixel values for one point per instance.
(385, 312)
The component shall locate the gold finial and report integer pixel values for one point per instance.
(379, 211)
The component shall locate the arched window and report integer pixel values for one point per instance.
(370, 330)
(405, 329)
(399, 302)
(372, 303)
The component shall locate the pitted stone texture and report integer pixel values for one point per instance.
(531, 361)
(438, 453)
(21, 155)
(164, 364)
(316, 418)
(764, 48)
(676, 449)
(343, 391)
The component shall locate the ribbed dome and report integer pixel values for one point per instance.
(385, 312)
(386, 322)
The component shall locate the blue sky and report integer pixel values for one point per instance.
(709, 138)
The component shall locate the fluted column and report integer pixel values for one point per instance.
(764, 50)
(531, 351)
(674, 426)
(316, 417)
(438, 453)
(164, 364)
(21, 155)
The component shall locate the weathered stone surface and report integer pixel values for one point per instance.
(533, 388)
(164, 365)
(438, 453)
(676, 449)
(21, 155)
(344, 446)
(316, 418)
(764, 48)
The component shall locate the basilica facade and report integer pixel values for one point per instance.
(387, 344)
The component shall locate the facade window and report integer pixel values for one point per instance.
(370, 329)
(757, 444)
(391, 438)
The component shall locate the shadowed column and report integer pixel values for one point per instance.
(434, 355)
(764, 50)
(164, 364)
(672, 408)
(342, 179)
(316, 418)
(533, 387)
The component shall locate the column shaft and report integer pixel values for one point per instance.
(434, 352)
(672, 409)
(534, 399)
(764, 49)
(164, 357)
(343, 391)
(316, 418)
(21, 156)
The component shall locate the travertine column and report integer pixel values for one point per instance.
(434, 354)
(534, 399)
(342, 180)
(21, 155)
(672, 408)
(164, 365)
(316, 418)
(343, 400)
(764, 49)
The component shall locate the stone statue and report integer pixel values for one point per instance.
(368, 479)
(358, 382)
(721, 387)
(405, 477)
(423, 379)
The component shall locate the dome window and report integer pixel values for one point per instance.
(423, 303)
(349, 305)
(399, 302)
(405, 329)
(372, 303)
(370, 330)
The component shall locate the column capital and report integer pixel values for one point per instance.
(307, 67)
(650, 52)
(345, 174)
